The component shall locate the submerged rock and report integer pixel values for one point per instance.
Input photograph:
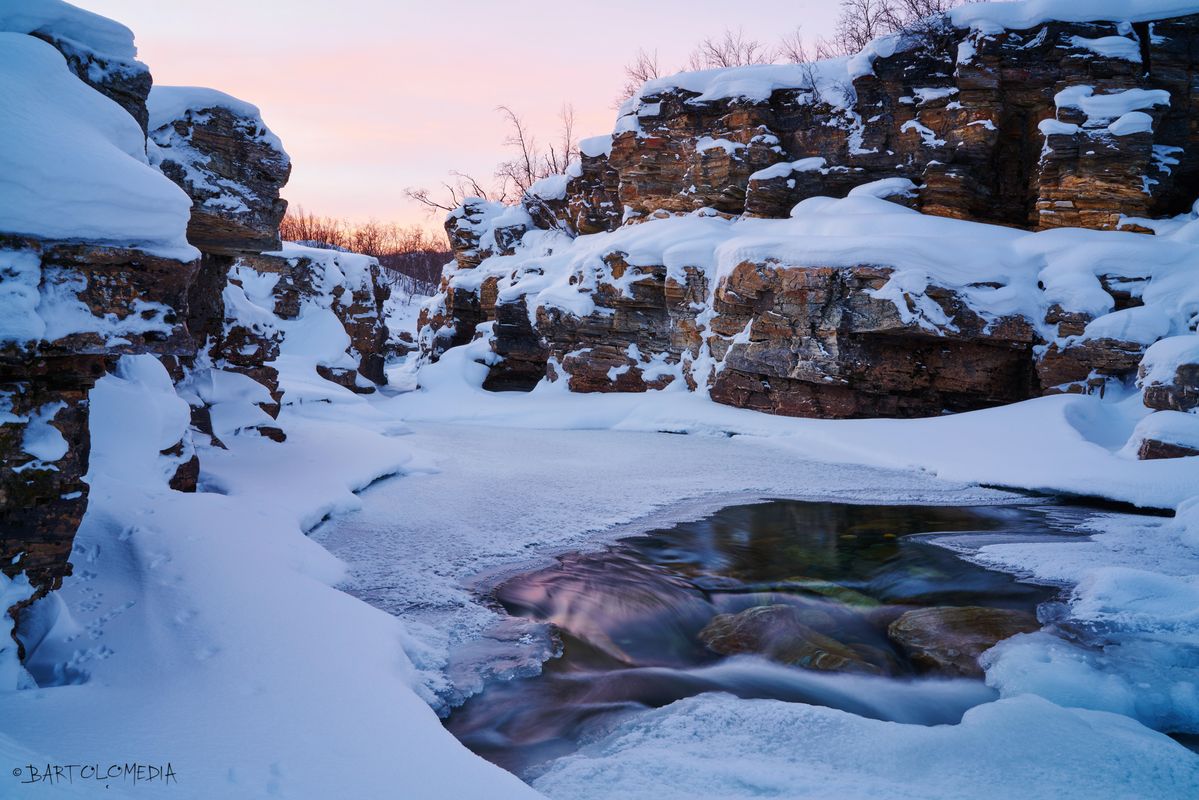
(950, 639)
(786, 634)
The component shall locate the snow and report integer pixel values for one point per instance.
(885, 187)
(12, 675)
(99, 35)
(41, 439)
(551, 187)
(1163, 359)
(206, 629)
(1021, 15)
(826, 80)
(786, 168)
(705, 143)
(719, 746)
(1033, 270)
(596, 146)
(278, 649)
(932, 94)
(144, 660)
(1103, 107)
(1130, 123)
(1172, 427)
(73, 164)
(1110, 47)
(166, 105)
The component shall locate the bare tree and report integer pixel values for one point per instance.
(792, 48)
(411, 256)
(731, 49)
(530, 164)
(643, 68)
(862, 21)
(455, 192)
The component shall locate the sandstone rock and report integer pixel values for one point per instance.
(967, 132)
(1166, 434)
(218, 150)
(820, 345)
(592, 196)
(782, 633)
(1169, 374)
(479, 229)
(949, 639)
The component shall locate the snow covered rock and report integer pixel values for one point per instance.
(1165, 434)
(94, 263)
(219, 151)
(592, 190)
(1073, 123)
(1169, 374)
(98, 50)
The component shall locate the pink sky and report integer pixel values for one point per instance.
(371, 96)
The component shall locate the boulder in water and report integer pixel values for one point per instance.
(949, 639)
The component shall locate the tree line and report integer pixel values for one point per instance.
(411, 256)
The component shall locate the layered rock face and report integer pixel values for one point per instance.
(216, 149)
(80, 285)
(1064, 125)
(126, 281)
(91, 304)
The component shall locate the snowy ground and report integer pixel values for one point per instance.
(204, 629)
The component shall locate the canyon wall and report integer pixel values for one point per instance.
(1057, 127)
(157, 233)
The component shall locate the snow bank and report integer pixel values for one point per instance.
(73, 164)
(147, 661)
(99, 35)
(720, 746)
(1170, 427)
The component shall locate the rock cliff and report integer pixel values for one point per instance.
(164, 244)
(940, 223)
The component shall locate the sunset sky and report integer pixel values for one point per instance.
(372, 96)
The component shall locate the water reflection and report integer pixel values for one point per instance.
(630, 618)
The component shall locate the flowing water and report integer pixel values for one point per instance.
(627, 620)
